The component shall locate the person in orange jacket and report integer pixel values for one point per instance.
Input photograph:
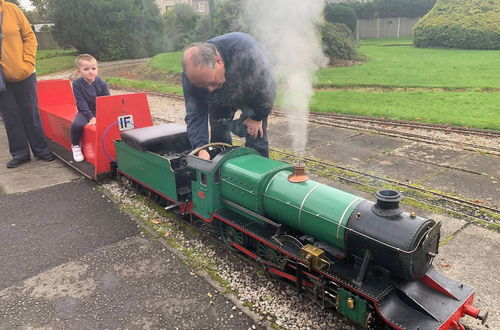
(19, 103)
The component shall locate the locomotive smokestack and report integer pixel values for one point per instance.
(387, 204)
(299, 174)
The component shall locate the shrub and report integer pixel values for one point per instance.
(109, 29)
(472, 24)
(336, 42)
(341, 14)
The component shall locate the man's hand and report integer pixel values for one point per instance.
(92, 121)
(254, 128)
(203, 154)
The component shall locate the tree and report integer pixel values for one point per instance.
(180, 24)
(110, 29)
(341, 14)
(472, 24)
(226, 17)
(44, 8)
(392, 8)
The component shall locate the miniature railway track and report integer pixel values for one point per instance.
(384, 128)
(467, 209)
(390, 128)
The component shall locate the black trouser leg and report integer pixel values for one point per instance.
(22, 120)
(259, 144)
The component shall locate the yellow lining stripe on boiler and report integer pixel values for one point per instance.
(270, 181)
(304, 200)
(343, 215)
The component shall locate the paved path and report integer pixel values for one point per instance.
(69, 259)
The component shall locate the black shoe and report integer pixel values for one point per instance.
(48, 157)
(17, 162)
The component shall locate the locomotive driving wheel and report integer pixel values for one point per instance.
(269, 254)
(230, 235)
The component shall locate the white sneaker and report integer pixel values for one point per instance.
(77, 153)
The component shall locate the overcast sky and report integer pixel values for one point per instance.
(26, 4)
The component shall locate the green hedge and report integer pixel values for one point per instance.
(471, 24)
(341, 14)
(337, 43)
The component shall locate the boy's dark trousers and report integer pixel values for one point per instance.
(77, 128)
(19, 106)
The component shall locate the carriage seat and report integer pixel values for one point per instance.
(159, 139)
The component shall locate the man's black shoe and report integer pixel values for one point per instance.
(48, 157)
(17, 162)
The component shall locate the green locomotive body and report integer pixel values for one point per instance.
(371, 262)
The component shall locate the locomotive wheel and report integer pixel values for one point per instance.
(230, 235)
(269, 254)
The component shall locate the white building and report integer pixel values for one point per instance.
(199, 6)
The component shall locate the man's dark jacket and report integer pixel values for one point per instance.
(249, 86)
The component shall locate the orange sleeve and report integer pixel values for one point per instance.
(30, 43)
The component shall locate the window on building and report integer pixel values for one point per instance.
(201, 7)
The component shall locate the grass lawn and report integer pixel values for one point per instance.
(168, 62)
(54, 60)
(408, 66)
(472, 109)
(145, 85)
(446, 86)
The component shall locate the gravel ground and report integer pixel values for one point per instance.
(272, 300)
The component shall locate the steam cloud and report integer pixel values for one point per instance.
(287, 29)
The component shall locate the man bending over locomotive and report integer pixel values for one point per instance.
(225, 74)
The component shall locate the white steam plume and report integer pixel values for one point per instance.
(287, 29)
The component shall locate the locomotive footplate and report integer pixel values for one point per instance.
(406, 305)
(341, 272)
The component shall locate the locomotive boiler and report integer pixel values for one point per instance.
(380, 233)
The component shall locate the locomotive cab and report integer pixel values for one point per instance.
(156, 156)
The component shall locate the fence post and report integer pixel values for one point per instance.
(399, 25)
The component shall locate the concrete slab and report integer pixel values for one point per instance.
(472, 257)
(30, 176)
(280, 137)
(377, 143)
(487, 164)
(466, 184)
(132, 284)
(278, 128)
(449, 226)
(399, 168)
(41, 174)
(342, 153)
(280, 140)
(44, 228)
(430, 153)
(329, 134)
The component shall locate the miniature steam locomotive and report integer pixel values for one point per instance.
(368, 261)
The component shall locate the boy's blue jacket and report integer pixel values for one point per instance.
(85, 95)
(249, 86)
